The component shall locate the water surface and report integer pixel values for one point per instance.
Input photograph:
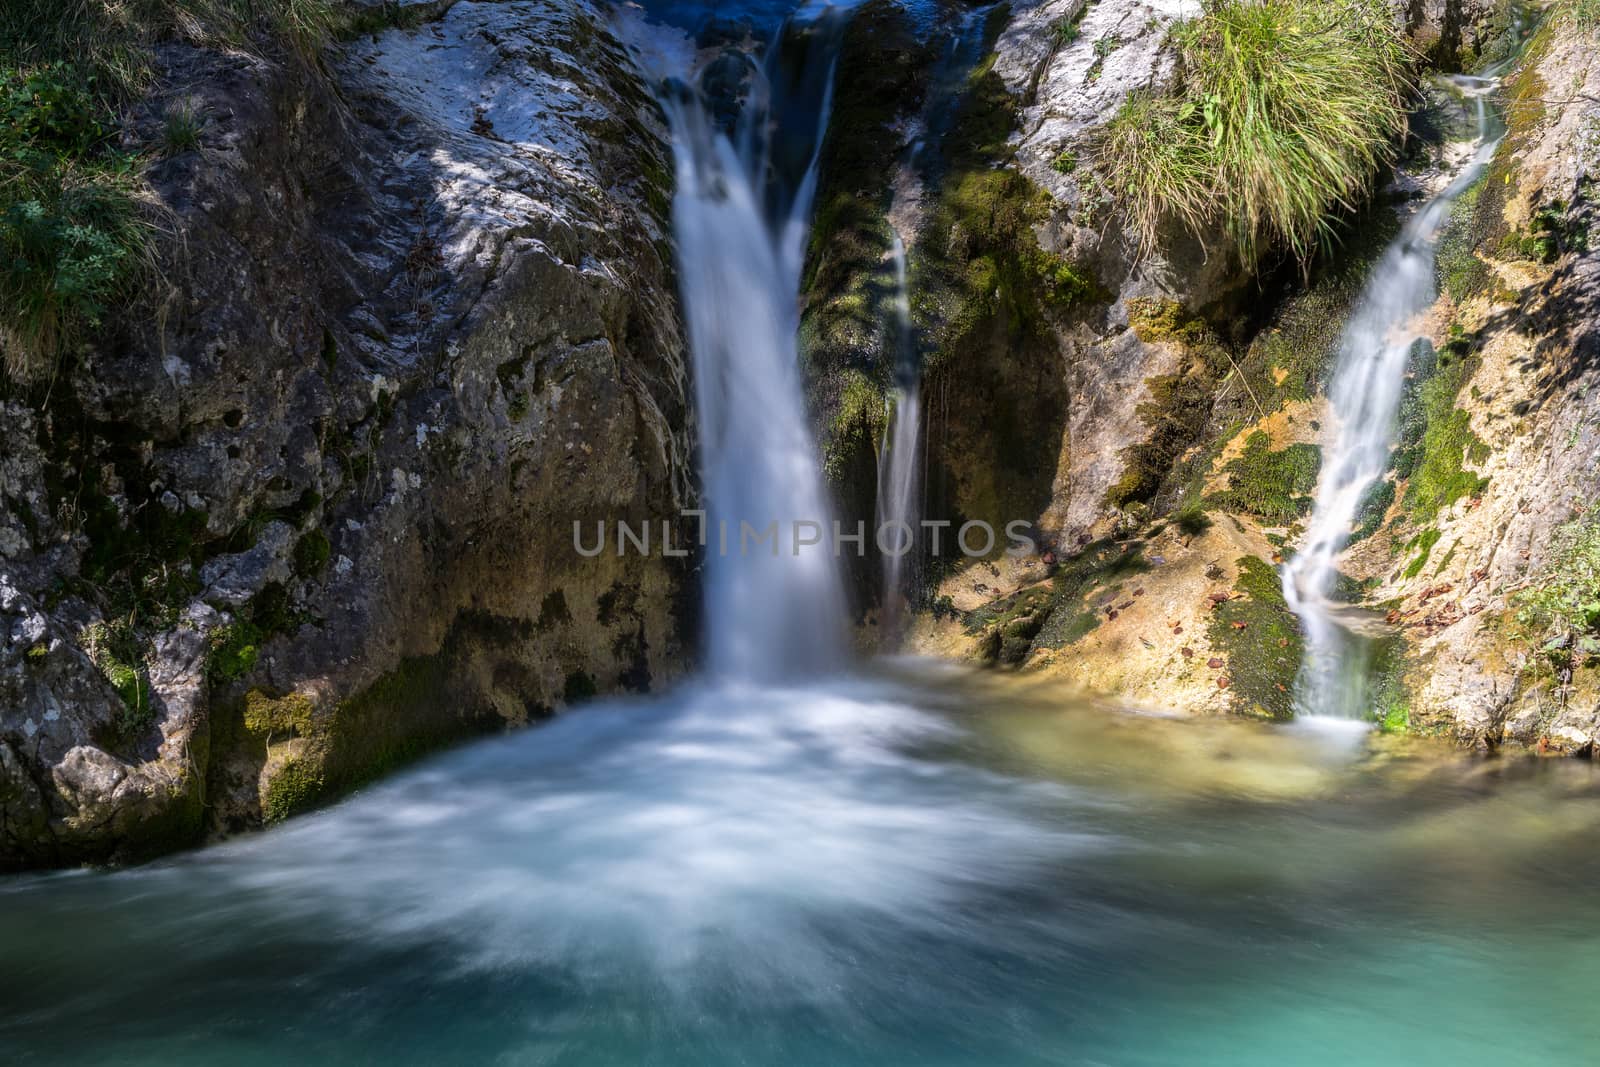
(905, 868)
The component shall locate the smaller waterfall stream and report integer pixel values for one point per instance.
(1364, 399)
(898, 484)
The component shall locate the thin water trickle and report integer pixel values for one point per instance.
(1364, 399)
(899, 487)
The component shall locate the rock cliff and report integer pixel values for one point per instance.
(306, 509)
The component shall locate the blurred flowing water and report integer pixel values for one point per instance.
(908, 865)
(917, 866)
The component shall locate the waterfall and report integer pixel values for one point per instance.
(1364, 399)
(740, 215)
(898, 484)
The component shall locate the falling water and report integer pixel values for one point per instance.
(898, 484)
(1364, 399)
(740, 214)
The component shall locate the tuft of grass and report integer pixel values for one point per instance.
(111, 40)
(72, 239)
(180, 129)
(1284, 111)
(1584, 14)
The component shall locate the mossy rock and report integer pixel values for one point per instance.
(1274, 486)
(1260, 640)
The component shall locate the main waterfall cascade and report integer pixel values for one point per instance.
(741, 214)
(1364, 398)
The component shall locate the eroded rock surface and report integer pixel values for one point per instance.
(309, 512)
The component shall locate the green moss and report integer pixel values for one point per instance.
(1374, 506)
(285, 716)
(578, 687)
(294, 787)
(1056, 615)
(1010, 626)
(1461, 272)
(1422, 545)
(857, 424)
(311, 553)
(1436, 438)
(1176, 417)
(233, 652)
(1276, 487)
(234, 647)
(1263, 654)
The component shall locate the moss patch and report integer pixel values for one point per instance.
(295, 787)
(1260, 639)
(1276, 487)
(1178, 414)
(1436, 439)
(1058, 614)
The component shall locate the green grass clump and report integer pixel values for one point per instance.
(1276, 487)
(1263, 655)
(1560, 611)
(1284, 111)
(1584, 14)
(72, 240)
(117, 650)
(73, 236)
(111, 40)
(181, 126)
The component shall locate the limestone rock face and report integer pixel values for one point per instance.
(308, 509)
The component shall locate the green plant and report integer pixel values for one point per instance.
(1066, 29)
(180, 129)
(116, 649)
(71, 236)
(1584, 14)
(112, 39)
(1285, 110)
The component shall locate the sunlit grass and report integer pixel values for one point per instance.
(1283, 111)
